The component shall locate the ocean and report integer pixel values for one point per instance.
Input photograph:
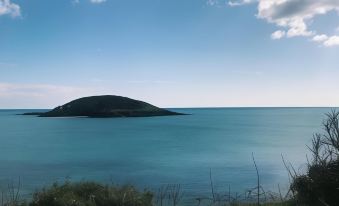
(154, 151)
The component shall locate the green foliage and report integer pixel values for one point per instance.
(90, 194)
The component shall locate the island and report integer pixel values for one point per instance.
(105, 106)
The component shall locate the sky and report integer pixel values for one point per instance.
(171, 53)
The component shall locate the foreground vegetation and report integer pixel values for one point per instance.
(95, 194)
(319, 186)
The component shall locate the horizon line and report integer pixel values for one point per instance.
(209, 107)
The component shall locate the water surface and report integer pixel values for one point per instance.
(152, 151)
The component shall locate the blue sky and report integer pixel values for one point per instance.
(174, 53)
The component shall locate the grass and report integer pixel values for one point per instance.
(90, 194)
(95, 194)
(83, 194)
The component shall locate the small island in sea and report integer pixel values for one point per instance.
(105, 106)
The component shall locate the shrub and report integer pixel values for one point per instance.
(320, 185)
(90, 194)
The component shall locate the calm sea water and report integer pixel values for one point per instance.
(153, 151)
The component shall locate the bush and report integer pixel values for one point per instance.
(320, 186)
(90, 194)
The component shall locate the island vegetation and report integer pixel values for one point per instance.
(105, 106)
(319, 186)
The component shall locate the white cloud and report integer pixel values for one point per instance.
(294, 16)
(97, 1)
(91, 1)
(230, 3)
(239, 3)
(326, 40)
(320, 38)
(9, 8)
(332, 41)
(278, 34)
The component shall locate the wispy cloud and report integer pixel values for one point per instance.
(151, 82)
(97, 1)
(41, 95)
(7, 64)
(212, 2)
(293, 17)
(35, 90)
(230, 3)
(9, 8)
(247, 73)
(91, 1)
(239, 3)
